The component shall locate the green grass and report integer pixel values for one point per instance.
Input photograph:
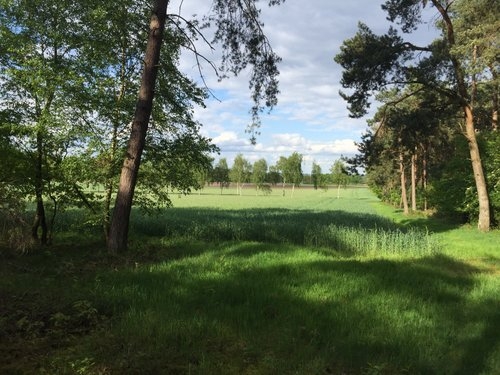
(258, 285)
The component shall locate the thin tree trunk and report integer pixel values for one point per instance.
(494, 100)
(404, 198)
(424, 175)
(118, 233)
(494, 119)
(414, 182)
(50, 230)
(40, 221)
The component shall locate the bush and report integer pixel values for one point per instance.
(453, 193)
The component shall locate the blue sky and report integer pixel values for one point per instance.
(310, 118)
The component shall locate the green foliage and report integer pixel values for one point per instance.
(171, 165)
(369, 61)
(273, 176)
(69, 75)
(316, 175)
(339, 173)
(459, 70)
(41, 74)
(241, 171)
(491, 161)
(476, 29)
(453, 189)
(259, 172)
(220, 173)
(265, 189)
(453, 192)
(291, 168)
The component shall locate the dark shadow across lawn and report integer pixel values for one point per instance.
(317, 316)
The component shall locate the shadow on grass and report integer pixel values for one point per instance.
(273, 315)
(433, 224)
(285, 223)
(254, 308)
(250, 221)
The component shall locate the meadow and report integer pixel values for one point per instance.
(257, 284)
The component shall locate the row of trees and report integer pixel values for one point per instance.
(287, 170)
(438, 101)
(77, 83)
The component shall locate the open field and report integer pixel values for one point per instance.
(227, 284)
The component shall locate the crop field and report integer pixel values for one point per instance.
(257, 284)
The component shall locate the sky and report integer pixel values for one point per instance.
(311, 118)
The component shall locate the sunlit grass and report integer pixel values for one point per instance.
(311, 218)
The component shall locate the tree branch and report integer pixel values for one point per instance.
(194, 50)
(412, 47)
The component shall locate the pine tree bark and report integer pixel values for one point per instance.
(118, 233)
(483, 223)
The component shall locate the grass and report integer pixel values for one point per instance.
(258, 285)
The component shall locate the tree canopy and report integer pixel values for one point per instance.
(69, 77)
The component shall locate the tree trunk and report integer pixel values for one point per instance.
(494, 100)
(52, 221)
(424, 175)
(40, 221)
(404, 198)
(414, 182)
(494, 119)
(118, 233)
(483, 223)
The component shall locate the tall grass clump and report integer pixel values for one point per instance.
(361, 241)
(349, 233)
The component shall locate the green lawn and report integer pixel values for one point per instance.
(227, 284)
